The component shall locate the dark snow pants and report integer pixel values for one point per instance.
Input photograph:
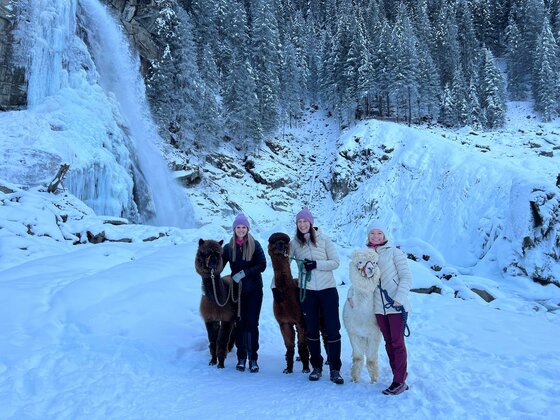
(247, 327)
(392, 328)
(322, 302)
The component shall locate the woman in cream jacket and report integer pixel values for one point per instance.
(319, 257)
(391, 303)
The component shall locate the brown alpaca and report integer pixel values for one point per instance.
(216, 304)
(288, 311)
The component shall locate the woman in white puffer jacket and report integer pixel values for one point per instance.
(391, 303)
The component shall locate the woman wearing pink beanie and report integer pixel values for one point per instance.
(247, 261)
(320, 259)
(391, 303)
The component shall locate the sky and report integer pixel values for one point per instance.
(112, 330)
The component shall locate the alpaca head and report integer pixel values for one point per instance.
(208, 260)
(279, 246)
(364, 271)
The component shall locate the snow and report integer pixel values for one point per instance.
(111, 330)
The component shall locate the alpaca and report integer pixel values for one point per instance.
(217, 307)
(288, 311)
(358, 313)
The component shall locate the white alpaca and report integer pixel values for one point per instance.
(358, 313)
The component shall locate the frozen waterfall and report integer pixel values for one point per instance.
(79, 57)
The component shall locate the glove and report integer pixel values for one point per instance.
(238, 276)
(309, 265)
(277, 295)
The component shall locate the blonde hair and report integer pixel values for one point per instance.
(248, 247)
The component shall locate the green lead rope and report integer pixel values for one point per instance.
(302, 281)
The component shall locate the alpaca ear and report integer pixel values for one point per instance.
(221, 242)
(200, 241)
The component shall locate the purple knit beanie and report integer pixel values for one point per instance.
(241, 219)
(305, 214)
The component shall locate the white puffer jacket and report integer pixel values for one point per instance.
(327, 260)
(396, 278)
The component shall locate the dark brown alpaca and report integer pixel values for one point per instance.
(288, 311)
(216, 304)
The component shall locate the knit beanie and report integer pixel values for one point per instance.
(305, 214)
(241, 219)
(376, 224)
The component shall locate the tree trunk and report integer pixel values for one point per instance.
(58, 178)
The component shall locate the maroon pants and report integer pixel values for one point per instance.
(392, 328)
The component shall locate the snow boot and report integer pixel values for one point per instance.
(395, 389)
(253, 366)
(336, 378)
(316, 374)
(241, 365)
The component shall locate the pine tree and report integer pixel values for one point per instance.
(266, 63)
(491, 91)
(515, 54)
(447, 115)
(446, 43)
(429, 89)
(545, 74)
(241, 105)
(468, 43)
(477, 119)
(459, 95)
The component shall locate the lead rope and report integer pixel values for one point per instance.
(215, 292)
(238, 301)
(390, 304)
(302, 282)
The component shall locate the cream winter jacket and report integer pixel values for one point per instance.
(396, 278)
(327, 260)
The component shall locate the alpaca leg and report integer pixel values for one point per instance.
(358, 344)
(223, 339)
(212, 328)
(372, 355)
(303, 350)
(231, 341)
(288, 335)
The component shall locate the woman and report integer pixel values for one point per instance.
(391, 303)
(317, 258)
(247, 261)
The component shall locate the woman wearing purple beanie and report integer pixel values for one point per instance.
(247, 261)
(320, 259)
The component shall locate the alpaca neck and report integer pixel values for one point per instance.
(282, 273)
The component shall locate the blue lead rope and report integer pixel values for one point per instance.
(390, 304)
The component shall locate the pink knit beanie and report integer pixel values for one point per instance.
(305, 214)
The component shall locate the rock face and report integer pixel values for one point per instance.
(12, 82)
(138, 18)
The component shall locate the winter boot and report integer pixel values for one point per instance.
(395, 389)
(241, 365)
(253, 366)
(336, 378)
(316, 374)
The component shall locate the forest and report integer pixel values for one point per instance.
(237, 70)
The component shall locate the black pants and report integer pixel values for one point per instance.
(247, 329)
(323, 302)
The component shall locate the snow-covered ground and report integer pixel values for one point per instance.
(112, 330)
